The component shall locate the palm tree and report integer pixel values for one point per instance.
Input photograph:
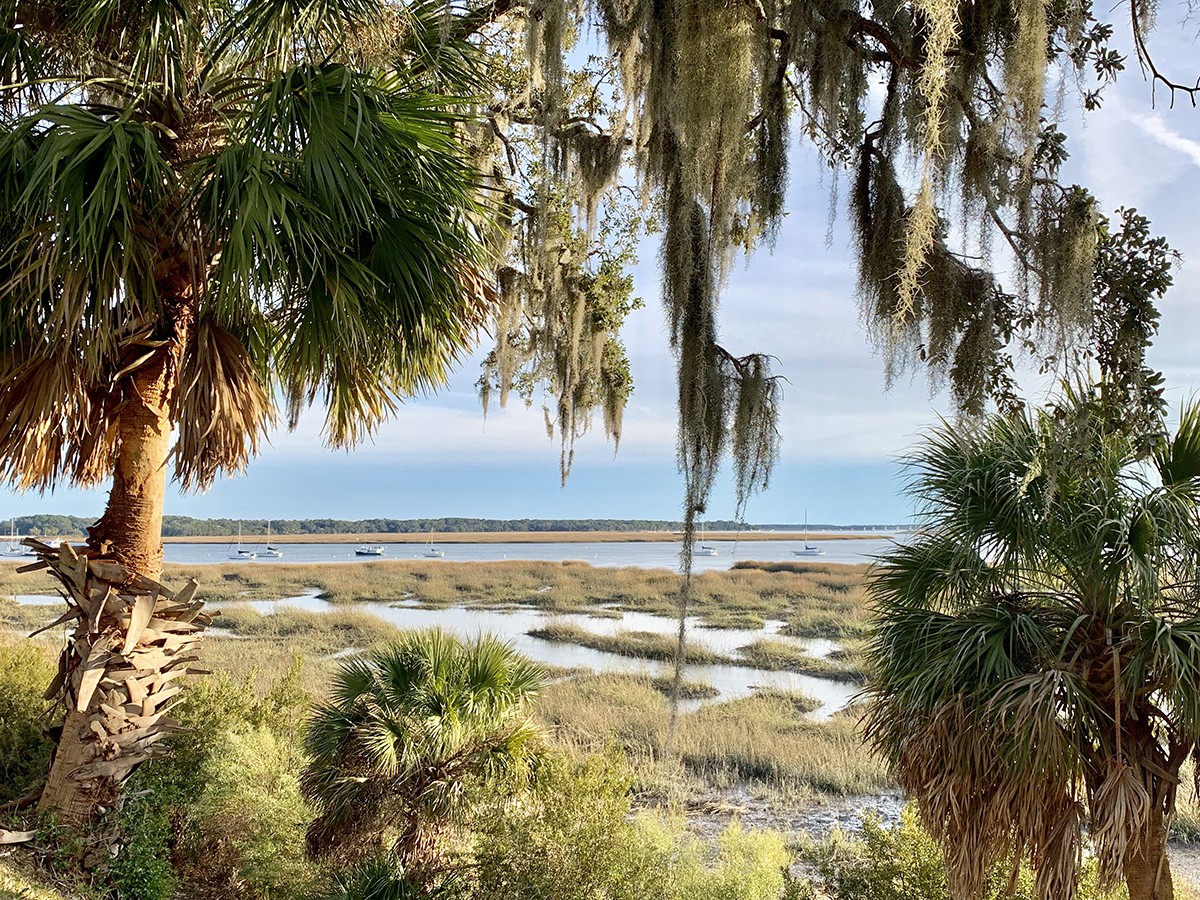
(384, 878)
(408, 728)
(212, 210)
(1037, 652)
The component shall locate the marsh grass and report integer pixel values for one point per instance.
(24, 618)
(593, 713)
(742, 621)
(638, 644)
(776, 655)
(688, 689)
(814, 600)
(308, 632)
(765, 738)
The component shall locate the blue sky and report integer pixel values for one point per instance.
(842, 431)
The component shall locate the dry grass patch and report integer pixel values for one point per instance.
(638, 644)
(595, 712)
(23, 618)
(776, 655)
(16, 885)
(766, 738)
(308, 633)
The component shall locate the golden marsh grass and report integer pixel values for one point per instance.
(776, 655)
(638, 644)
(813, 599)
(765, 739)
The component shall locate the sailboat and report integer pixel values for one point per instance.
(14, 547)
(431, 551)
(808, 549)
(239, 552)
(704, 549)
(274, 552)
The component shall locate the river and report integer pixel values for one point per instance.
(649, 555)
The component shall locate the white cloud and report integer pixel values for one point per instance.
(1158, 129)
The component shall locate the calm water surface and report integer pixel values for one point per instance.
(664, 555)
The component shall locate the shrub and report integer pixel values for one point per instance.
(905, 863)
(25, 670)
(142, 870)
(206, 814)
(569, 839)
(749, 865)
(572, 838)
(249, 819)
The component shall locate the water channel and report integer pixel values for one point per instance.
(514, 625)
(732, 681)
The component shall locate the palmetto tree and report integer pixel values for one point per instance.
(1037, 652)
(407, 729)
(211, 210)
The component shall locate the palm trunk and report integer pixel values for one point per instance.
(1147, 868)
(132, 635)
(131, 527)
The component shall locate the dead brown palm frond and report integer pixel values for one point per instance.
(1120, 808)
(224, 409)
(39, 449)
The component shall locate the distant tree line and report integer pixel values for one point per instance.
(182, 526)
(186, 526)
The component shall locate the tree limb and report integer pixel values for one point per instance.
(1137, 15)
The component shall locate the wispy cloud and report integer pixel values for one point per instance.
(1156, 128)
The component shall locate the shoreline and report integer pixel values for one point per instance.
(527, 537)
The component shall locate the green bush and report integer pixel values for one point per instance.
(221, 813)
(749, 865)
(573, 838)
(569, 839)
(905, 863)
(25, 671)
(249, 819)
(142, 870)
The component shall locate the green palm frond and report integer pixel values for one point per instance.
(407, 727)
(281, 164)
(383, 878)
(92, 183)
(22, 61)
(350, 208)
(1179, 461)
(279, 31)
(1036, 657)
(434, 56)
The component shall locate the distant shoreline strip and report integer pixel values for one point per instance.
(530, 537)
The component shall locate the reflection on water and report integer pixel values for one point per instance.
(512, 625)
